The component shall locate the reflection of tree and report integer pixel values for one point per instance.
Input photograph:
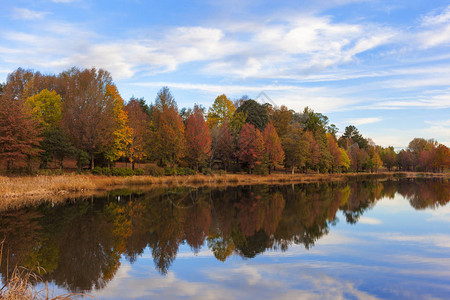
(80, 244)
(425, 193)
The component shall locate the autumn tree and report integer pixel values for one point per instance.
(139, 121)
(281, 118)
(442, 158)
(345, 160)
(251, 146)
(222, 109)
(223, 145)
(169, 140)
(198, 139)
(388, 156)
(19, 133)
(88, 115)
(296, 149)
(272, 145)
(46, 107)
(122, 134)
(334, 150)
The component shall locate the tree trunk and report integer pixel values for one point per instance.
(92, 161)
(292, 171)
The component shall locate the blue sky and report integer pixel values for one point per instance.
(382, 66)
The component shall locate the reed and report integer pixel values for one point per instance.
(21, 285)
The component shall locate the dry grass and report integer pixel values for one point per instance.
(20, 191)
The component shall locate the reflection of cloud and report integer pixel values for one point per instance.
(370, 221)
(438, 240)
(441, 214)
(268, 281)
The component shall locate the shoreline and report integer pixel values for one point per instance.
(33, 190)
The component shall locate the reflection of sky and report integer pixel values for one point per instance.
(393, 252)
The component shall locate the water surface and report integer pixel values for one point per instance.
(358, 240)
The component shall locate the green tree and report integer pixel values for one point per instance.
(256, 114)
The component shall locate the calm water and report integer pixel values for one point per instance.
(364, 240)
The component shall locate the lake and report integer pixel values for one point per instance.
(357, 240)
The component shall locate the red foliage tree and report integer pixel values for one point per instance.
(198, 139)
(251, 146)
(19, 134)
(223, 144)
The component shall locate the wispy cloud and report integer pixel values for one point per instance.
(28, 14)
(363, 121)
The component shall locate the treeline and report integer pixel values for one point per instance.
(80, 114)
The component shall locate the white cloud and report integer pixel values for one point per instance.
(28, 14)
(364, 121)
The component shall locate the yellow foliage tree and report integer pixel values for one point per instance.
(46, 108)
(222, 108)
(123, 132)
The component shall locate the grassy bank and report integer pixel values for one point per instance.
(18, 191)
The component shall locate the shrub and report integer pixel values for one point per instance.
(97, 171)
(178, 171)
(122, 172)
(154, 170)
(139, 172)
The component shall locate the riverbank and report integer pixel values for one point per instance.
(19, 191)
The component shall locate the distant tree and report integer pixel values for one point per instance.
(198, 139)
(88, 117)
(256, 114)
(251, 146)
(272, 145)
(222, 108)
(46, 108)
(139, 121)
